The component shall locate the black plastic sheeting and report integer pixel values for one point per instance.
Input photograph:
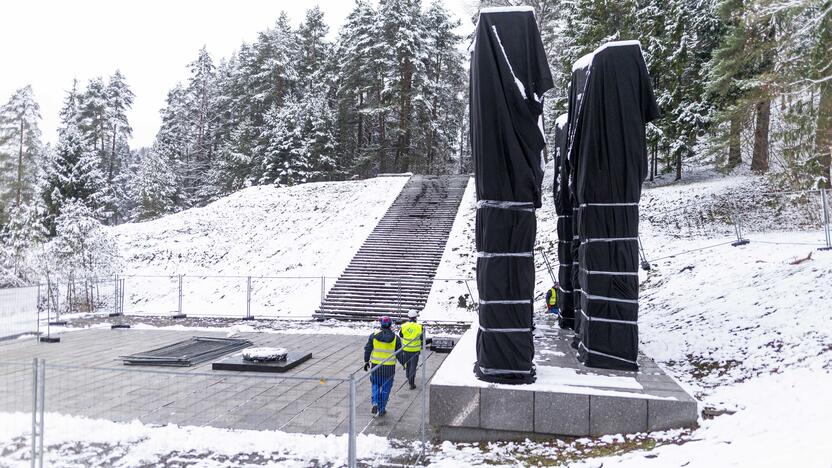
(576, 93)
(563, 209)
(509, 75)
(607, 160)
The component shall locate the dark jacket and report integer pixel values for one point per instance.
(385, 335)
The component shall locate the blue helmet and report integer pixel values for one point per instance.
(385, 322)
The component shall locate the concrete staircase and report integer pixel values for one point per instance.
(393, 270)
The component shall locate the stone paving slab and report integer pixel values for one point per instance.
(86, 378)
(571, 399)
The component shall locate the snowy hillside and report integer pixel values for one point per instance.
(292, 235)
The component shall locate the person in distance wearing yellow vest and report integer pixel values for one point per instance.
(380, 351)
(552, 300)
(412, 336)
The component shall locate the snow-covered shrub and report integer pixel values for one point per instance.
(81, 248)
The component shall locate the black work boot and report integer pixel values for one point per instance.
(374, 410)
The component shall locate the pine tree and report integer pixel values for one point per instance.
(201, 93)
(314, 52)
(155, 186)
(402, 62)
(20, 150)
(358, 89)
(73, 175)
(93, 116)
(24, 231)
(70, 114)
(440, 109)
(740, 76)
(119, 101)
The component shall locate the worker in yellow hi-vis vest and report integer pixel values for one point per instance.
(380, 352)
(412, 335)
(552, 299)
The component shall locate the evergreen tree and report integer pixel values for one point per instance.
(358, 89)
(740, 76)
(155, 187)
(24, 231)
(119, 101)
(20, 150)
(402, 60)
(73, 175)
(440, 108)
(314, 52)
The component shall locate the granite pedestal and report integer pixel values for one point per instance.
(567, 399)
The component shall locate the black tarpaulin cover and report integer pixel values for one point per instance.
(509, 75)
(576, 91)
(608, 157)
(563, 209)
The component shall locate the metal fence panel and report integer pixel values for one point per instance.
(16, 416)
(18, 311)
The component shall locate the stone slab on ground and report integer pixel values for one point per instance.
(238, 364)
(566, 399)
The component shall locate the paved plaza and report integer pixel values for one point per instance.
(84, 377)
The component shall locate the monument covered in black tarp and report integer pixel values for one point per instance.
(571, 240)
(563, 209)
(509, 75)
(608, 157)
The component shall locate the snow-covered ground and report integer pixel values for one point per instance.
(748, 329)
(77, 441)
(291, 235)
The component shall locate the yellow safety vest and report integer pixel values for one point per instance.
(553, 299)
(382, 351)
(411, 331)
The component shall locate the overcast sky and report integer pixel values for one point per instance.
(48, 43)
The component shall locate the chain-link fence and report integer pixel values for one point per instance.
(54, 414)
(781, 218)
(36, 309)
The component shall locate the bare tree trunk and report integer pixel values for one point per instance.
(734, 148)
(358, 142)
(653, 161)
(759, 158)
(402, 161)
(462, 133)
(19, 167)
(678, 165)
(823, 133)
(112, 156)
(382, 140)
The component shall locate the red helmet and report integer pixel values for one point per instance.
(385, 322)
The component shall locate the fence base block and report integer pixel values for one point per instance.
(115, 314)
(178, 316)
(249, 318)
(825, 248)
(119, 326)
(58, 323)
(50, 339)
(740, 242)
